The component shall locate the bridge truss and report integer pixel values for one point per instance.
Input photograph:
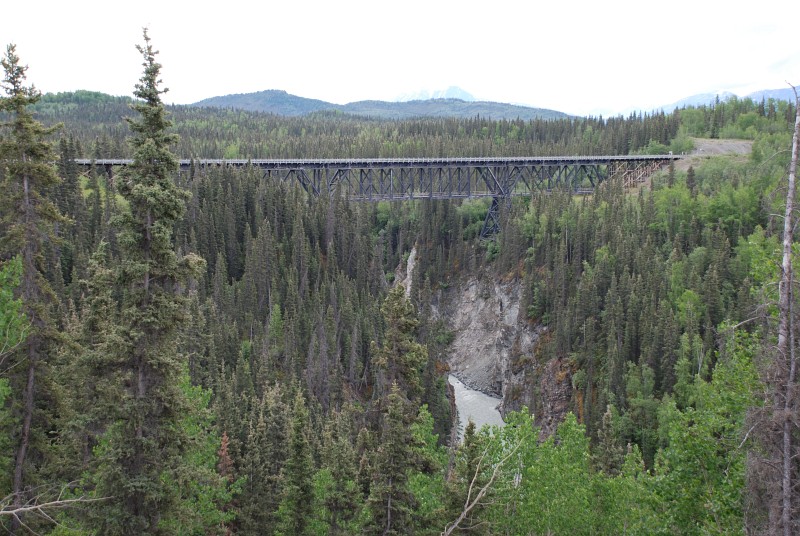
(401, 179)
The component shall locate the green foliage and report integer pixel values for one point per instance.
(496, 458)
(681, 143)
(13, 324)
(6, 424)
(492, 250)
(427, 481)
(559, 484)
(392, 503)
(693, 120)
(699, 476)
(296, 507)
(472, 214)
(400, 358)
(204, 495)
(655, 147)
(756, 255)
(144, 445)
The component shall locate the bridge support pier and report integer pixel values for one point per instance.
(491, 224)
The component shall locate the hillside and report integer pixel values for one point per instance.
(272, 101)
(280, 102)
(96, 122)
(455, 108)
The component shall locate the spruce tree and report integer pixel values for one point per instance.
(607, 455)
(337, 494)
(400, 358)
(296, 508)
(391, 501)
(27, 223)
(264, 454)
(691, 181)
(146, 442)
(92, 400)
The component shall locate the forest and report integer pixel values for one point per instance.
(209, 352)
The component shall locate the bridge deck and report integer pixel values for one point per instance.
(401, 179)
(283, 163)
(438, 178)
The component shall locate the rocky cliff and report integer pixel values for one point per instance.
(495, 350)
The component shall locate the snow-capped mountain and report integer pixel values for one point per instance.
(451, 92)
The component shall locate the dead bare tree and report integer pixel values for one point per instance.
(773, 464)
(786, 342)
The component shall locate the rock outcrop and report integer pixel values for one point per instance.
(495, 350)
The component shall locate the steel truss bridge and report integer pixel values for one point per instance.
(402, 179)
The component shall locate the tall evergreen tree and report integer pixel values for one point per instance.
(294, 512)
(391, 501)
(265, 453)
(27, 222)
(146, 442)
(691, 181)
(337, 494)
(400, 358)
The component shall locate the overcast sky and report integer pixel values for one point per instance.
(575, 56)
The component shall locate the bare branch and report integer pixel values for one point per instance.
(42, 508)
(38, 507)
(469, 506)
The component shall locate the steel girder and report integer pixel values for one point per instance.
(440, 178)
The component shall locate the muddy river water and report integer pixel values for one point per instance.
(472, 404)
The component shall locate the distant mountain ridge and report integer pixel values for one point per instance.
(452, 92)
(704, 99)
(280, 102)
(274, 101)
(785, 94)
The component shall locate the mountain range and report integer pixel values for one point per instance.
(451, 102)
(282, 103)
(702, 99)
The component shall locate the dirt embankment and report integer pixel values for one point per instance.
(706, 148)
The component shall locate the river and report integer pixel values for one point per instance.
(472, 404)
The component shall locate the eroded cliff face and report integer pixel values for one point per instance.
(495, 350)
